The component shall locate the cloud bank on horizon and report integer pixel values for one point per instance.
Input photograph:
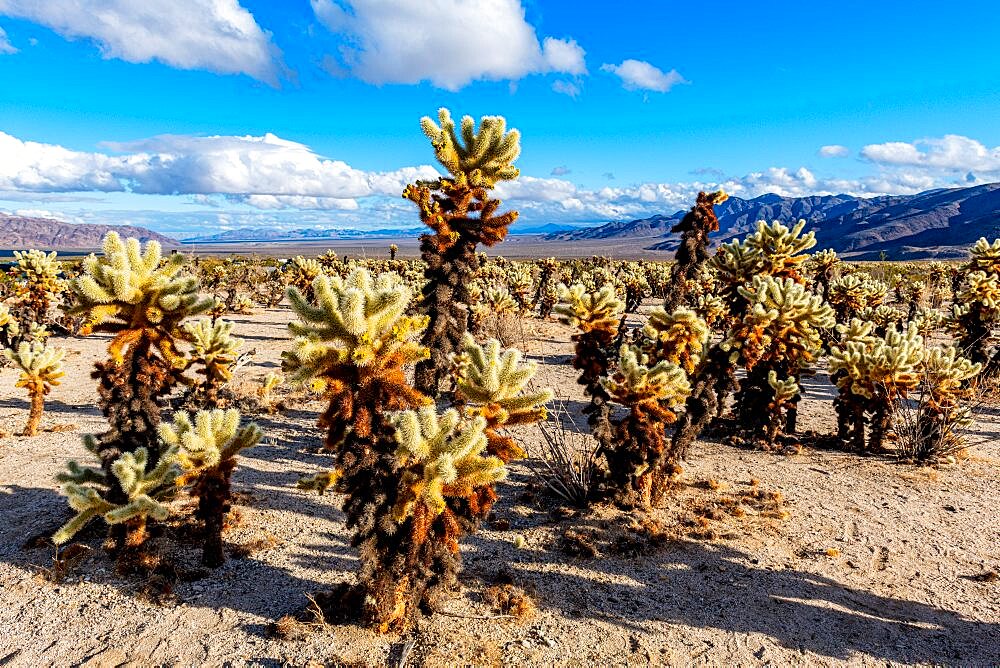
(190, 181)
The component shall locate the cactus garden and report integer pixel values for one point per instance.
(754, 452)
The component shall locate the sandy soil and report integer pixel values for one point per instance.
(861, 561)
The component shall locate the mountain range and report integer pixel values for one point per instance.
(317, 234)
(937, 223)
(20, 232)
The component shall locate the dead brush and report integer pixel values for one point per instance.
(63, 563)
(507, 599)
(505, 326)
(929, 433)
(567, 462)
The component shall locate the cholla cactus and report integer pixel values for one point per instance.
(824, 264)
(632, 277)
(357, 342)
(493, 383)
(144, 487)
(853, 292)
(547, 294)
(41, 370)
(393, 249)
(927, 321)
(872, 373)
(678, 337)
(302, 272)
(214, 349)
(9, 327)
(985, 257)
(461, 214)
(692, 254)
(974, 316)
(882, 316)
(640, 457)
(206, 451)
(265, 392)
(597, 315)
(39, 285)
(140, 299)
(781, 332)
(781, 249)
(785, 394)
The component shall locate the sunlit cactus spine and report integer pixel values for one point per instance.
(41, 370)
(141, 299)
(679, 337)
(206, 451)
(597, 316)
(692, 253)
(214, 352)
(461, 214)
(639, 458)
(493, 383)
(850, 293)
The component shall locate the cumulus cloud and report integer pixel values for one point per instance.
(216, 35)
(171, 164)
(640, 75)
(446, 42)
(833, 151)
(6, 47)
(949, 153)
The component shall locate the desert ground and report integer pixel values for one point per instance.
(834, 558)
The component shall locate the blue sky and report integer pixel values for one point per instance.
(200, 115)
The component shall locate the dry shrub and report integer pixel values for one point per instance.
(510, 600)
(567, 461)
(580, 543)
(952, 438)
(506, 327)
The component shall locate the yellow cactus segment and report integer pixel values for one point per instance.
(40, 270)
(213, 437)
(39, 364)
(678, 337)
(130, 293)
(358, 320)
(780, 249)
(945, 372)
(784, 390)
(853, 292)
(213, 345)
(320, 482)
(985, 256)
(588, 311)
(638, 383)
(479, 159)
(495, 381)
(442, 456)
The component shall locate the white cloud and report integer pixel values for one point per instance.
(561, 170)
(833, 151)
(564, 87)
(949, 153)
(6, 47)
(216, 35)
(446, 42)
(172, 164)
(640, 75)
(280, 202)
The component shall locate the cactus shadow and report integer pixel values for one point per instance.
(711, 585)
(53, 407)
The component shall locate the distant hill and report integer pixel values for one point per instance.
(316, 234)
(20, 232)
(936, 223)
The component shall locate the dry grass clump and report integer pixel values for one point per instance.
(508, 599)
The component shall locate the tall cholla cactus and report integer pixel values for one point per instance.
(41, 370)
(357, 341)
(460, 212)
(985, 257)
(780, 332)
(142, 301)
(131, 492)
(492, 383)
(302, 272)
(39, 284)
(597, 315)
(206, 451)
(976, 310)
(692, 254)
(640, 457)
(213, 349)
(872, 373)
(547, 294)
